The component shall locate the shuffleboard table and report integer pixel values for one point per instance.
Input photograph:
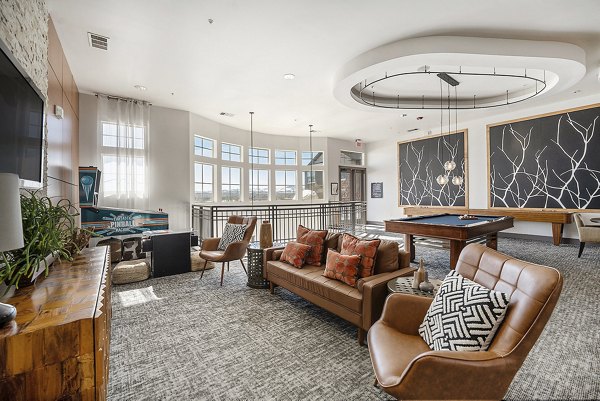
(449, 227)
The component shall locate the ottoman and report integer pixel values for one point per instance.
(130, 271)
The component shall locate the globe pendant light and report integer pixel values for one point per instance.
(442, 179)
(457, 180)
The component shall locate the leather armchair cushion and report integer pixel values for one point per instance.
(310, 278)
(387, 257)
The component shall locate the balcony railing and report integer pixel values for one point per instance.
(209, 220)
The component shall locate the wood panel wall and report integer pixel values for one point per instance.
(63, 135)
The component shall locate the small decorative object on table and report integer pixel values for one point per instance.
(266, 234)
(404, 285)
(420, 275)
(467, 217)
(426, 286)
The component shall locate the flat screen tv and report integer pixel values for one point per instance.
(21, 122)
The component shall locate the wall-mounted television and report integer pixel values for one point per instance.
(21, 122)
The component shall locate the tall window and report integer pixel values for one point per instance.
(259, 184)
(204, 146)
(230, 152)
(285, 184)
(285, 157)
(123, 173)
(312, 158)
(259, 156)
(204, 182)
(312, 184)
(231, 184)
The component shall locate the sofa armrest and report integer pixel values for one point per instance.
(269, 254)
(210, 244)
(374, 291)
(403, 259)
(395, 312)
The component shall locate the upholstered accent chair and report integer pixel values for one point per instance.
(407, 368)
(234, 251)
(587, 232)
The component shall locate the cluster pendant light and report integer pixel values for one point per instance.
(449, 165)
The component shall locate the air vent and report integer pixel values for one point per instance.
(98, 41)
(224, 113)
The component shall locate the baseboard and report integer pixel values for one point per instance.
(375, 223)
(541, 238)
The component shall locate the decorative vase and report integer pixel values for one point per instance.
(266, 234)
(420, 275)
(426, 286)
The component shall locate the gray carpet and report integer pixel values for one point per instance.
(182, 338)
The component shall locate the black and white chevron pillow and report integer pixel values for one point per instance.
(464, 316)
(231, 233)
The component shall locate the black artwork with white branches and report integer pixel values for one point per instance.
(547, 162)
(422, 162)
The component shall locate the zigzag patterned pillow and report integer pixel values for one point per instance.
(231, 233)
(464, 316)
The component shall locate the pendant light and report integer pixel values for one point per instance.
(252, 186)
(312, 177)
(442, 179)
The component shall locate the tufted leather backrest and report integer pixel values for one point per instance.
(533, 290)
(250, 223)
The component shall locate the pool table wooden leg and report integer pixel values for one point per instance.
(492, 241)
(455, 248)
(409, 246)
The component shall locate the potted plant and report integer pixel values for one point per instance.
(49, 232)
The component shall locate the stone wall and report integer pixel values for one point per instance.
(24, 29)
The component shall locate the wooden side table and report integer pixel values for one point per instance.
(255, 265)
(404, 286)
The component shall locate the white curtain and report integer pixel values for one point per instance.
(123, 131)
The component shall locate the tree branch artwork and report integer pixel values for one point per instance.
(551, 162)
(421, 161)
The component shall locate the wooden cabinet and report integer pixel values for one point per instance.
(57, 347)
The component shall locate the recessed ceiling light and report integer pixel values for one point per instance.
(140, 87)
(289, 76)
(577, 91)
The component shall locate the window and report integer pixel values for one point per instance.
(285, 157)
(204, 146)
(259, 185)
(204, 182)
(231, 184)
(123, 160)
(285, 184)
(232, 153)
(258, 156)
(348, 158)
(312, 158)
(312, 183)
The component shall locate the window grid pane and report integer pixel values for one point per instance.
(203, 146)
(204, 182)
(258, 156)
(285, 184)
(231, 152)
(312, 183)
(312, 158)
(231, 187)
(285, 157)
(259, 184)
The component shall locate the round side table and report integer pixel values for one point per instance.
(255, 265)
(404, 285)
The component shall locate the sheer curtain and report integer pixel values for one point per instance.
(123, 128)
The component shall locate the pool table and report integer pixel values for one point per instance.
(448, 227)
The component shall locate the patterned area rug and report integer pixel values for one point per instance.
(182, 338)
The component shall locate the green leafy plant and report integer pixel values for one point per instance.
(48, 229)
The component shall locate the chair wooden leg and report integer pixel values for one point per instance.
(581, 246)
(244, 266)
(227, 266)
(375, 383)
(203, 268)
(271, 287)
(222, 272)
(361, 336)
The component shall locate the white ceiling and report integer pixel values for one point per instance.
(237, 63)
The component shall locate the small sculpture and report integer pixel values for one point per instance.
(420, 275)
(426, 286)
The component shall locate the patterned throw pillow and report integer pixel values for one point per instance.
(295, 254)
(314, 238)
(132, 249)
(464, 316)
(342, 267)
(231, 233)
(366, 249)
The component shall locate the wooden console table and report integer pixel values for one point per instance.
(558, 218)
(58, 345)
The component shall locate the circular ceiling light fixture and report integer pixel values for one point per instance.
(491, 72)
(289, 76)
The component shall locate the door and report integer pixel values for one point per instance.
(353, 189)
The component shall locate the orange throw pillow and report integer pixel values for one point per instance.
(314, 238)
(367, 249)
(295, 254)
(342, 267)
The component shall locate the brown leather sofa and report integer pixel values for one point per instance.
(407, 368)
(360, 306)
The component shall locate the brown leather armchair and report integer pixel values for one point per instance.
(407, 368)
(234, 251)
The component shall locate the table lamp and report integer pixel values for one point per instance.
(11, 228)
